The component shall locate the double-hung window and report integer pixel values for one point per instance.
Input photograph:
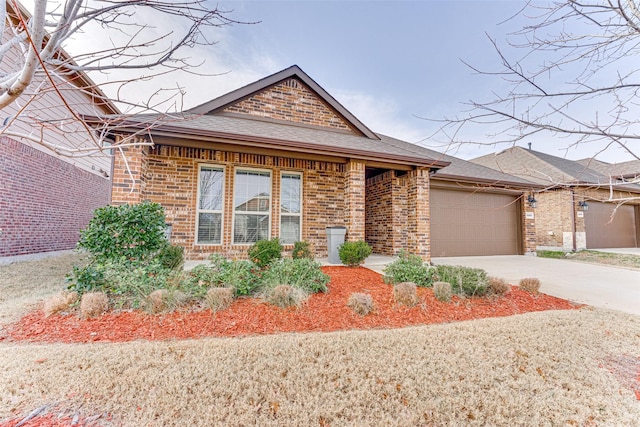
(290, 207)
(210, 205)
(251, 206)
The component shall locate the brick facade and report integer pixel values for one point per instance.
(418, 213)
(528, 221)
(44, 201)
(386, 213)
(290, 100)
(355, 200)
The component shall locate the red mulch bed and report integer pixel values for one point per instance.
(248, 316)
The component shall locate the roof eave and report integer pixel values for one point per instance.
(487, 181)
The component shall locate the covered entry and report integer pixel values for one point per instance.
(466, 223)
(606, 231)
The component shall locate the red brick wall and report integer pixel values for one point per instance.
(355, 200)
(171, 179)
(418, 236)
(292, 101)
(386, 213)
(44, 201)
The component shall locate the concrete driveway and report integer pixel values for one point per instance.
(597, 285)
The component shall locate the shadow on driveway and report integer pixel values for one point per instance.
(597, 285)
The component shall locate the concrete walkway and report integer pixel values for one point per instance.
(597, 285)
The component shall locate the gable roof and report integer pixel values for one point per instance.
(623, 170)
(218, 104)
(543, 168)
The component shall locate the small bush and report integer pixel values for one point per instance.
(464, 281)
(405, 293)
(409, 268)
(530, 284)
(354, 253)
(285, 296)
(86, 279)
(171, 257)
(301, 250)
(239, 274)
(263, 252)
(498, 286)
(442, 291)
(302, 273)
(362, 304)
(93, 304)
(219, 298)
(60, 302)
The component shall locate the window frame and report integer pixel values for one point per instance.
(299, 214)
(268, 212)
(221, 211)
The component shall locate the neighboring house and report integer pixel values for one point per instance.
(624, 171)
(282, 158)
(46, 198)
(562, 222)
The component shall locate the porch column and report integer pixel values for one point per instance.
(418, 232)
(354, 201)
(129, 174)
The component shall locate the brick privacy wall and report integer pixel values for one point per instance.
(418, 213)
(355, 200)
(44, 201)
(293, 101)
(386, 213)
(172, 180)
(554, 217)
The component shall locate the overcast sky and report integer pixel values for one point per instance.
(389, 63)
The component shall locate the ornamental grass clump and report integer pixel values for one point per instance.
(219, 298)
(530, 284)
(361, 304)
(59, 303)
(442, 291)
(497, 286)
(93, 304)
(405, 293)
(165, 300)
(285, 296)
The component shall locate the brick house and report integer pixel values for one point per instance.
(562, 222)
(46, 198)
(282, 158)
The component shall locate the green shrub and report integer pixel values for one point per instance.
(551, 254)
(409, 268)
(132, 232)
(302, 273)
(87, 278)
(301, 250)
(354, 253)
(264, 251)
(464, 281)
(442, 291)
(171, 257)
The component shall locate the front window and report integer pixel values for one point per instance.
(252, 206)
(210, 197)
(290, 208)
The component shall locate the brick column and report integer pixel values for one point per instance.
(355, 199)
(418, 234)
(529, 236)
(124, 188)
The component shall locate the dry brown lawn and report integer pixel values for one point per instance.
(575, 367)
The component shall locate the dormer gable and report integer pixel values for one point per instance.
(289, 96)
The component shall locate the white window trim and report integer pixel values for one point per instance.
(280, 214)
(233, 203)
(221, 211)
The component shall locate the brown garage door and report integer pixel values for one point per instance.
(605, 232)
(466, 223)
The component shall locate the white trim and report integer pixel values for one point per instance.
(233, 204)
(301, 194)
(198, 210)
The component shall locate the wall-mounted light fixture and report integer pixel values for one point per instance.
(583, 206)
(532, 201)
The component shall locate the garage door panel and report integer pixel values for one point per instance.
(465, 223)
(606, 231)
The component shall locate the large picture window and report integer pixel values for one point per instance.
(210, 203)
(290, 208)
(251, 206)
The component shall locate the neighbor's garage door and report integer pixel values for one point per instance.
(605, 232)
(466, 223)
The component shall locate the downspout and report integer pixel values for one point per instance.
(573, 221)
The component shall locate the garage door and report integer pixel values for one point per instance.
(466, 223)
(605, 232)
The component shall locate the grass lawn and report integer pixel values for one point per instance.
(570, 367)
(596, 257)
